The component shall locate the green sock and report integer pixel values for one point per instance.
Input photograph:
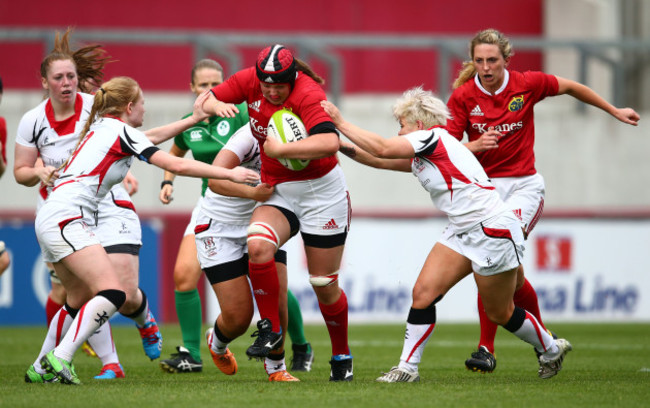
(295, 327)
(190, 317)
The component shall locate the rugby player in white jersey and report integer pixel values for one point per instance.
(483, 236)
(107, 145)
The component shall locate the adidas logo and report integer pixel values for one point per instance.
(476, 111)
(260, 292)
(331, 224)
(255, 105)
(517, 213)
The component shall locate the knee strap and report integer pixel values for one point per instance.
(263, 231)
(54, 278)
(323, 280)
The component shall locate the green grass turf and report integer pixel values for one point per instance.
(609, 366)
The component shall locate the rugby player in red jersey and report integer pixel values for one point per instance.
(495, 107)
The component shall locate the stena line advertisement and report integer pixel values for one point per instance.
(582, 269)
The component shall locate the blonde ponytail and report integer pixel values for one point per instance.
(111, 99)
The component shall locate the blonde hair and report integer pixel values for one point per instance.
(89, 61)
(488, 36)
(417, 104)
(112, 98)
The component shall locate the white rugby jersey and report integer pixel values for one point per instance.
(55, 142)
(455, 180)
(235, 210)
(100, 162)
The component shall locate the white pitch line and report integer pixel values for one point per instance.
(498, 344)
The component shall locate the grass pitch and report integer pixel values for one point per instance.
(609, 366)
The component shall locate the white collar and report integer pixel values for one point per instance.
(506, 78)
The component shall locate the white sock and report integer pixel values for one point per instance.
(102, 342)
(92, 315)
(217, 345)
(273, 366)
(533, 333)
(415, 338)
(57, 329)
(141, 319)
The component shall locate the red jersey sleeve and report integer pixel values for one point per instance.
(541, 84)
(458, 123)
(236, 88)
(311, 112)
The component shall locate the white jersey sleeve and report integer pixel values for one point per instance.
(455, 180)
(30, 126)
(136, 143)
(244, 145)
(54, 144)
(103, 158)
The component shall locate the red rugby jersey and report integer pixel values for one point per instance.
(304, 101)
(3, 139)
(511, 111)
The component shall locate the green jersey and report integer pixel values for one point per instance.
(205, 140)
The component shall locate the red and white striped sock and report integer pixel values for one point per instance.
(92, 315)
(51, 307)
(102, 342)
(524, 325)
(415, 339)
(58, 327)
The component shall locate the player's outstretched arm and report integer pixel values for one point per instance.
(228, 159)
(361, 156)
(393, 148)
(194, 168)
(587, 95)
(211, 106)
(162, 133)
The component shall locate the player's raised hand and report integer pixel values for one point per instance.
(333, 111)
(627, 115)
(488, 141)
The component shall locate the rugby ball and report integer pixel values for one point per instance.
(286, 127)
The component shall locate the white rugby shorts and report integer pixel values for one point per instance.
(524, 196)
(116, 223)
(494, 246)
(189, 230)
(62, 230)
(218, 243)
(322, 205)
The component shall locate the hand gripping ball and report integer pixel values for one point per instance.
(286, 127)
